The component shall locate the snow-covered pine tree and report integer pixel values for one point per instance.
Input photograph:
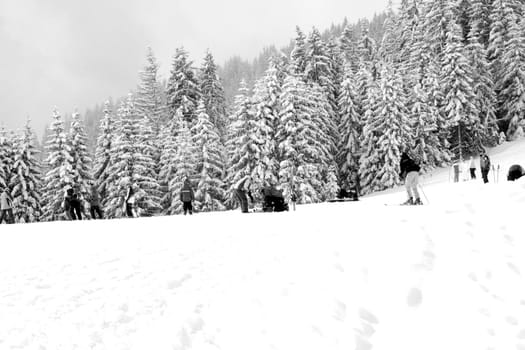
(427, 148)
(436, 24)
(329, 135)
(350, 128)
(59, 167)
(209, 194)
(26, 179)
(458, 95)
(389, 48)
(184, 167)
(148, 156)
(167, 164)
(183, 87)
(387, 133)
(298, 55)
(320, 67)
(299, 144)
(80, 160)
(243, 145)
(266, 105)
(129, 167)
(212, 93)
(512, 83)
(366, 46)
(4, 158)
(103, 155)
(348, 47)
(150, 97)
(483, 83)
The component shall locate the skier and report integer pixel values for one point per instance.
(66, 205)
(472, 168)
(410, 173)
(76, 207)
(484, 165)
(94, 203)
(6, 208)
(242, 188)
(129, 203)
(515, 172)
(187, 196)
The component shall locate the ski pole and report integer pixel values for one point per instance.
(424, 195)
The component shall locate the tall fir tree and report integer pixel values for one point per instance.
(212, 93)
(243, 145)
(387, 133)
(348, 47)
(483, 83)
(209, 194)
(103, 154)
(458, 95)
(298, 55)
(183, 87)
(130, 166)
(81, 162)
(150, 97)
(59, 165)
(300, 144)
(26, 181)
(512, 83)
(351, 128)
(267, 105)
(184, 167)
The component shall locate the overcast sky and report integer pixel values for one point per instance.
(74, 54)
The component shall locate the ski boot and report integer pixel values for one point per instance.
(409, 201)
(418, 201)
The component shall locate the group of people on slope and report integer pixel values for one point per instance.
(484, 166)
(273, 198)
(74, 208)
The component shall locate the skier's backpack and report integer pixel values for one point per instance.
(186, 195)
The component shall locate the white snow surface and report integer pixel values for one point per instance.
(356, 275)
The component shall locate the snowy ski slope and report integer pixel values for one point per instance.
(356, 275)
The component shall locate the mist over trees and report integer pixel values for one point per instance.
(438, 79)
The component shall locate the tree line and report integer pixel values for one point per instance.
(445, 79)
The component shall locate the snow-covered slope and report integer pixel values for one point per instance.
(358, 275)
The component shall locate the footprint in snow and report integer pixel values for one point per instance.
(177, 283)
(521, 334)
(340, 311)
(414, 297)
(511, 320)
(368, 316)
(514, 268)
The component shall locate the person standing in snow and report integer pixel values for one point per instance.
(66, 205)
(76, 207)
(6, 208)
(94, 203)
(410, 173)
(242, 188)
(129, 203)
(484, 165)
(187, 197)
(472, 168)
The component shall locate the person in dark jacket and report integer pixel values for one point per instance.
(76, 207)
(187, 196)
(6, 207)
(515, 172)
(66, 205)
(94, 203)
(410, 173)
(484, 165)
(242, 192)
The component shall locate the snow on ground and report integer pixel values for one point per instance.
(358, 275)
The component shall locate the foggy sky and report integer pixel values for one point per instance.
(75, 54)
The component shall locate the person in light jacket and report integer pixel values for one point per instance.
(6, 208)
